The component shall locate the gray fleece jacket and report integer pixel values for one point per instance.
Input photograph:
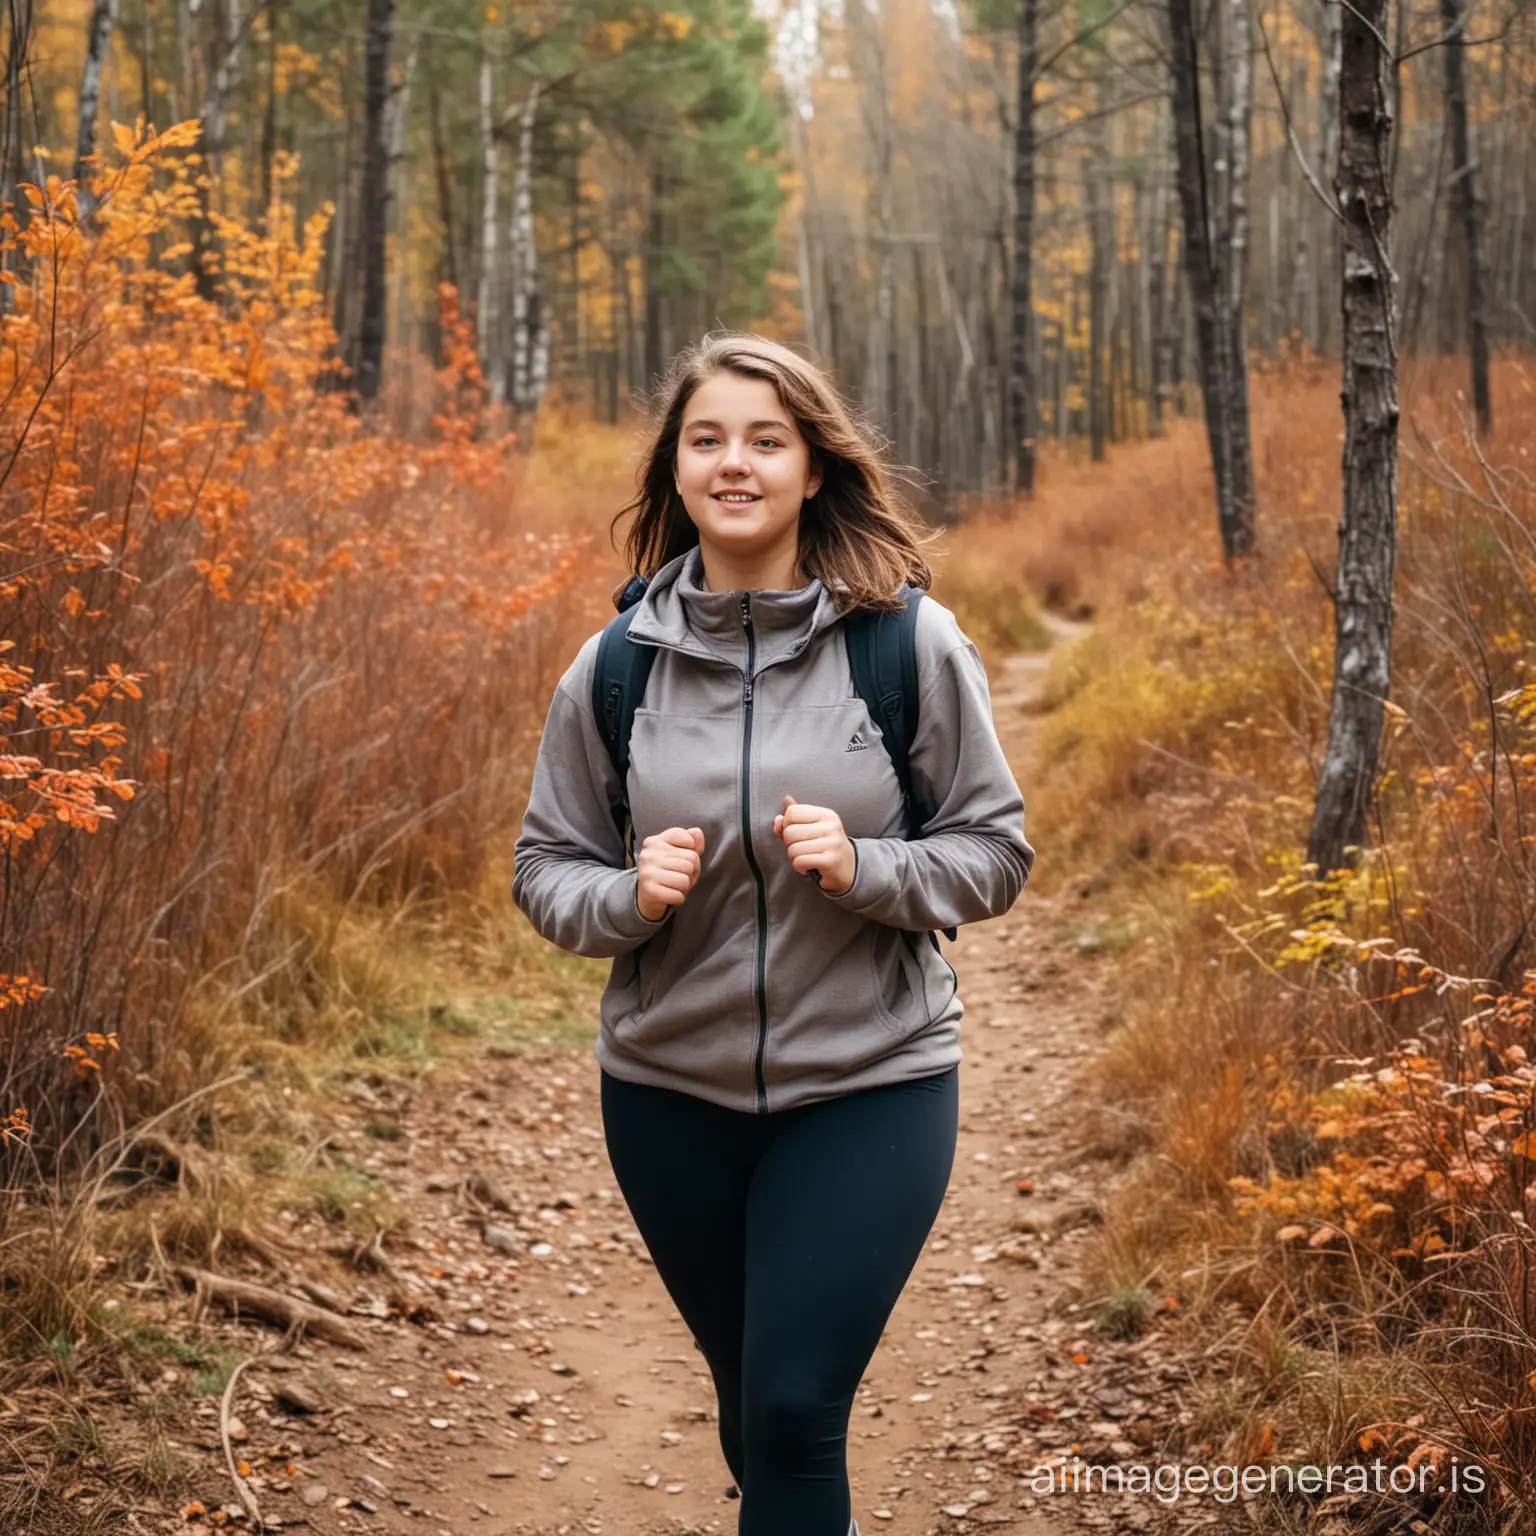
(762, 991)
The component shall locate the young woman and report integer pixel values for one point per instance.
(779, 1038)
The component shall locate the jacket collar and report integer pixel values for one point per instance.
(679, 613)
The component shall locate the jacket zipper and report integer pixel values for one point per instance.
(761, 971)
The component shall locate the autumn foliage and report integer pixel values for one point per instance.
(251, 645)
(1326, 1088)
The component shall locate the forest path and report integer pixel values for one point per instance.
(556, 1389)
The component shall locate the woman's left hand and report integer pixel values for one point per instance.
(816, 844)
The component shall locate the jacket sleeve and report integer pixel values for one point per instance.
(972, 860)
(570, 878)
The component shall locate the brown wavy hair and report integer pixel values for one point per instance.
(858, 535)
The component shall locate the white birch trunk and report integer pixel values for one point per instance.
(216, 98)
(98, 43)
(527, 332)
(487, 331)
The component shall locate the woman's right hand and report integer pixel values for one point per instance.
(669, 864)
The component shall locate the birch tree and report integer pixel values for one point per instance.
(1212, 286)
(528, 325)
(1362, 596)
(487, 326)
(1232, 268)
(98, 40)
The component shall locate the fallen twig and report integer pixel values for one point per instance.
(324, 1296)
(273, 1307)
(243, 1488)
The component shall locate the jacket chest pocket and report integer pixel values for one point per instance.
(829, 755)
(684, 771)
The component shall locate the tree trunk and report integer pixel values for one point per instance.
(807, 243)
(526, 308)
(1233, 268)
(215, 117)
(1101, 239)
(18, 44)
(1367, 528)
(1300, 289)
(487, 317)
(1329, 254)
(397, 120)
(1464, 177)
(374, 213)
(444, 175)
(146, 62)
(654, 349)
(344, 236)
(1023, 408)
(269, 113)
(97, 42)
(1205, 287)
(1162, 367)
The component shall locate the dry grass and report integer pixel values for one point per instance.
(1323, 1126)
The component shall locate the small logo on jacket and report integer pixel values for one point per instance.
(857, 744)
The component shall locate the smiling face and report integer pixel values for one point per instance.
(743, 469)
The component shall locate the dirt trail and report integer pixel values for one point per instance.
(550, 1387)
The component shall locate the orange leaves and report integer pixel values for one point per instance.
(216, 573)
(78, 1056)
(17, 1126)
(18, 991)
(190, 500)
(50, 783)
(1422, 1161)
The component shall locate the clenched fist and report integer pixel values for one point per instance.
(669, 864)
(816, 844)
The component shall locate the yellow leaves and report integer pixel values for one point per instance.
(614, 35)
(610, 36)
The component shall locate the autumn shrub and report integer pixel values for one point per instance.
(1323, 1090)
(262, 660)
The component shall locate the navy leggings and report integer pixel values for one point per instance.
(785, 1239)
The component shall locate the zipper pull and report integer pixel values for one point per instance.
(746, 611)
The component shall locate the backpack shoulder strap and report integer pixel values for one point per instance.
(619, 676)
(882, 655)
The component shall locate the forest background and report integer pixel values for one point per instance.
(326, 332)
